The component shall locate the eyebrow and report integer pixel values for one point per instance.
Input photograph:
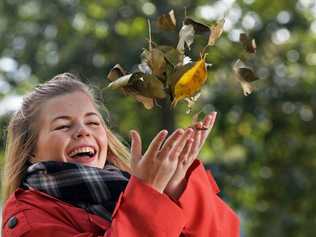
(68, 117)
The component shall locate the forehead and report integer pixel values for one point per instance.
(72, 104)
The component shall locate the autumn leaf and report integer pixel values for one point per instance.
(199, 28)
(171, 54)
(146, 85)
(155, 59)
(190, 82)
(186, 36)
(120, 82)
(167, 21)
(147, 102)
(248, 43)
(116, 72)
(245, 75)
(216, 32)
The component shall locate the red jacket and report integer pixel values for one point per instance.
(140, 212)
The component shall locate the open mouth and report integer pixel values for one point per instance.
(82, 152)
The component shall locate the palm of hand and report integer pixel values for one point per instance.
(189, 154)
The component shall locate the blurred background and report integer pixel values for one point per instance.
(262, 150)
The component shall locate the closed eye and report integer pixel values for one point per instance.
(94, 123)
(62, 127)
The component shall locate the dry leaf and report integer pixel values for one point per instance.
(245, 75)
(167, 21)
(144, 68)
(147, 102)
(146, 85)
(172, 55)
(249, 44)
(120, 82)
(190, 82)
(216, 32)
(186, 36)
(155, 59)
(199, 28)
(116, 72)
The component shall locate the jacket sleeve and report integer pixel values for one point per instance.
(140, 211)
(206, 214)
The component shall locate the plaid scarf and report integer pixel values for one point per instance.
(93, 189)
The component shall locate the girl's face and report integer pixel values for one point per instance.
(70, 130)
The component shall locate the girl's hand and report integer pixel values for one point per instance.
(159, 162)
(190, 152)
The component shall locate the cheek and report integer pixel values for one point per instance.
(51, 147)
(103, 139)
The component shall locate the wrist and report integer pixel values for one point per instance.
(175, 189)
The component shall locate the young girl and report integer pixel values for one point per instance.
(66, 174)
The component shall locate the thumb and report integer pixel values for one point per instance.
(136, 146)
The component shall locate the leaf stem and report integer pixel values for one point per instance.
(149, 32)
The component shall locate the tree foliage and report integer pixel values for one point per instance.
(262, 150)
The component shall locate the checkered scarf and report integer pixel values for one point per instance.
(93, 189)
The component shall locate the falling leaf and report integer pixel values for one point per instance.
(116, 72)
(120, 82)
(155, 59)
(146, 85)
(147, 102)
(249, 44)
(171, 54)
(186, 36)
(144, 68)
(199, 28)
(216, 32)
(176, 75)
(167, 21)
(190, 82)
(245, 75)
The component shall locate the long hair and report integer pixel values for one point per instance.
(23, 130)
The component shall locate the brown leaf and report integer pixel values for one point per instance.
(199, 28)
(172, 55)
(155, 59)
(146, 85)
(245, 75)
(216, 32)
(167, 21)
(147, 102)
(248, 43)
(186, 36)
(116, 72)
(120, 82)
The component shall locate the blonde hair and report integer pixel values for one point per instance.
(23, 130)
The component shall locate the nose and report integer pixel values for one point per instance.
(80, 132)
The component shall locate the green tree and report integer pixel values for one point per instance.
(262, 150)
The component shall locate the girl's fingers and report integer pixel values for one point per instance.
(136, 146)
(179, 147)
(208, 123)
(156, 143)
(196, 144)
(186, 150)
(170, 143)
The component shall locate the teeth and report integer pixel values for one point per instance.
(80, 150)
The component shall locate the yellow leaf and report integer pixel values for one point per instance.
(190, 82)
